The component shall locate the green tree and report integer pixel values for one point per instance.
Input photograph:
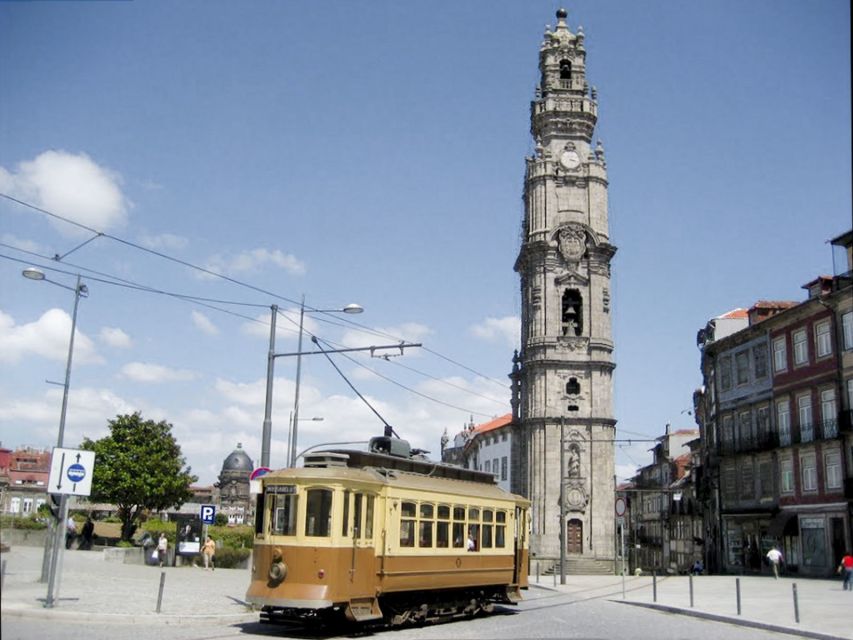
(139, 467)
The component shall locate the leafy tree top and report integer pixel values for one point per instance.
(139, 466)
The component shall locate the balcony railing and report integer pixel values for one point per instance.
(824, 430)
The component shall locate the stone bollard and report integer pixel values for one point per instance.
(796, 603)
(690, 579)
(737, 592)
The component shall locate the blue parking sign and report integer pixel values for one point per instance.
(207, 513)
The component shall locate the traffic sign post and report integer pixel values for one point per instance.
(207, 513)
(71, 473)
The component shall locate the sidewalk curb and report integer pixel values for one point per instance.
(126, 618)
(735, 621)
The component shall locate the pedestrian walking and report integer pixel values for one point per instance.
(208, 550)
(846, 569)
(774, 556)
(162, 548)
(70, 532)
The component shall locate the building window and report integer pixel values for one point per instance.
(786, 475)
(573, 387)
(801, 347)
(780, 355)
(726, 373)
(759, 359)
(565, 69)
(832, 462)
(808, 471)
(747, 481)
(762, 423)
(28, 506)
(742, 365)
(804, 407)
(728, 431)
(765, 479)
(730, 483)
(504, 468)
(488, 467)
(744, 427)
(783, 421)
(847, 330)
(828, 415)
(822, 339)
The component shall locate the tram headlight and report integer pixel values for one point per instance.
(278, 572)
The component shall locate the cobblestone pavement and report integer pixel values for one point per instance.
(92, 586)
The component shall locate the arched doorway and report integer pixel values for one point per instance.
(574, 536)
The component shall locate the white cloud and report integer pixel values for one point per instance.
(148, 372)
(506, 330)
(254, 260)
(20, 243)
(70, 185)
(204, 324)
(115, 337)
(163, 241)
(46, 337)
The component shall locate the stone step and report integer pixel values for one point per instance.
(582, 566)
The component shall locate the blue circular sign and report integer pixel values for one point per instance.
(76, 472)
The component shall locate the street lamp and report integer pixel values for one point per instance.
(267, 425)
(351, 309)
(80, 290)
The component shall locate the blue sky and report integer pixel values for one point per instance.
(373, 152)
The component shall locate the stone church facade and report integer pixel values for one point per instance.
(566, 359)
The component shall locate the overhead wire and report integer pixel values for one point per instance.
(190, 265)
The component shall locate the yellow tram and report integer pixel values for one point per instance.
(371, 535)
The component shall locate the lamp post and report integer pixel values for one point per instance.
(351, 309)
(80, 290)
(271, 356)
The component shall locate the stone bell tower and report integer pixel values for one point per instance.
(566, 336)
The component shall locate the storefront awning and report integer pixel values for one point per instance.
(779, 523)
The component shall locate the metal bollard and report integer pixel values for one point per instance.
(537, 573)
(160, 594)
(737, 591)
(690, 579)
(2, 575)
(796, 604)
(555, 577)
(654, 586)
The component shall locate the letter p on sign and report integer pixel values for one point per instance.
(208, 513)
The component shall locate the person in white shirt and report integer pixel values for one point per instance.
(775, 558)
(70, 532)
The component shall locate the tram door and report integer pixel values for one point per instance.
(361, 531)
(520, 536)
(574, 536)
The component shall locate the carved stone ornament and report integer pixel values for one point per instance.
(572, 243)
(576, 496)
(573, 344)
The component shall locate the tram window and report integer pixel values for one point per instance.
(318, 515)
(443, 512)
(259, 518)
(345, 521)
(442, 538)
(500, 529)
(357, 532)
(407, 526)
(425, 533)
(283, 514)
(459, 513)
(488, 518)
(459, 535)
(427, 510)
(368, 518)
(474, 534)
(473, 514)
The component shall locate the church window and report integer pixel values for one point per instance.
(573, 387)
(565, 70)
(572, 317)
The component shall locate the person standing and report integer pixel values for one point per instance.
(846, 567)
(208, 550)
(70, 532)
(162, 548)
(774, 556)
(87, 533)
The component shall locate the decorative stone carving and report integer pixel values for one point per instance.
(572, 243)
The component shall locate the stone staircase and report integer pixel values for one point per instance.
(582, 566)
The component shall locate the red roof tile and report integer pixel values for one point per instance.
(497, 423)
